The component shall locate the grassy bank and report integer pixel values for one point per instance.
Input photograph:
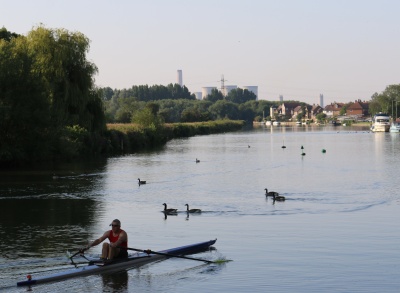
(128, 138)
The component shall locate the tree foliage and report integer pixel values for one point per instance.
(240, 96)
(387, 101)
(215, 96)
(46, 85)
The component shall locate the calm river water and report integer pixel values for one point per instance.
(337, 231)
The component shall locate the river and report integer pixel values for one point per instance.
(337, 231)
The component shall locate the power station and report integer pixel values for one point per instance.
(225, 89)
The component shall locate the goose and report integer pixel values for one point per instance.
(141, 181)
(169, 211)
(192, 210)
(271, 193)
(278, 198)
(197, 160)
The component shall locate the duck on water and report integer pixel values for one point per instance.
(270, 193)
(169, 211)
(192, 211)
(275, 195)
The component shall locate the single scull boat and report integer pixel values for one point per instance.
(137, 260)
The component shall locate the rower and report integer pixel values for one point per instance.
(117, 237)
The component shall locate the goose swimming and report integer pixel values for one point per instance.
(278, 198)
(271, 193)
(192, 210)
(169, 211)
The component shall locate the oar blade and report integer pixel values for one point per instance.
(221, 261)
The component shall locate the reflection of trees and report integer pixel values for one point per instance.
(35, 224)
(41, 215)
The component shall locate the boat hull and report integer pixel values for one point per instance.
(395, 127)
(380, 128)
(120, 265)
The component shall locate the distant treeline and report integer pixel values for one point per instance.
(174, 103)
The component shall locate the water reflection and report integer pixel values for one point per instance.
(45, 215)
(168, 214)
(116, 282)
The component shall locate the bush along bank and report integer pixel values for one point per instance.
(129, 138)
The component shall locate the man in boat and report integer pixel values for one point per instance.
(117, 237)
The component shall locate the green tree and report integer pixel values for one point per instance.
(46, 86)
(24, 107)
(215, 95)
(60, 61)
(7, 35)
(240, 96)
(147, 117)
(385, 101)
(224, 109)
(321, 117)
(343, 111)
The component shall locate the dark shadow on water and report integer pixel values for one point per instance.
(116, 282)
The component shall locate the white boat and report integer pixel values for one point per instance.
(381, 122)
(268, 123)
(395, 127)
(276, 123)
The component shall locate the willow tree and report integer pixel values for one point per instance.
(24, 108)
(68, 77)
(46, 93)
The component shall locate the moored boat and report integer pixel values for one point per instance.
(395, 126)
(381, 122)
(139, 259)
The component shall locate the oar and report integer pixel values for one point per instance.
(148, 251)
(80, 251)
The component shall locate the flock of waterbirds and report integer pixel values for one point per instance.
(170, 211)
(275, 195)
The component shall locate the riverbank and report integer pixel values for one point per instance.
(128, 138)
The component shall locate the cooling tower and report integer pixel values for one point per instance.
(205, 91)
(253, 89)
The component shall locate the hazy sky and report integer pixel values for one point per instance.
(343, 49)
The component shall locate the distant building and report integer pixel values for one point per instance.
(205, 91)
(287, 109)
(358, 109)
(321, 100)
(179, 78)
(198, 95)
(253, 89)
(333, 109)
(283, 111)
(228, 88)
(315, 110)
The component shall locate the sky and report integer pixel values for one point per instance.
(344, 49)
